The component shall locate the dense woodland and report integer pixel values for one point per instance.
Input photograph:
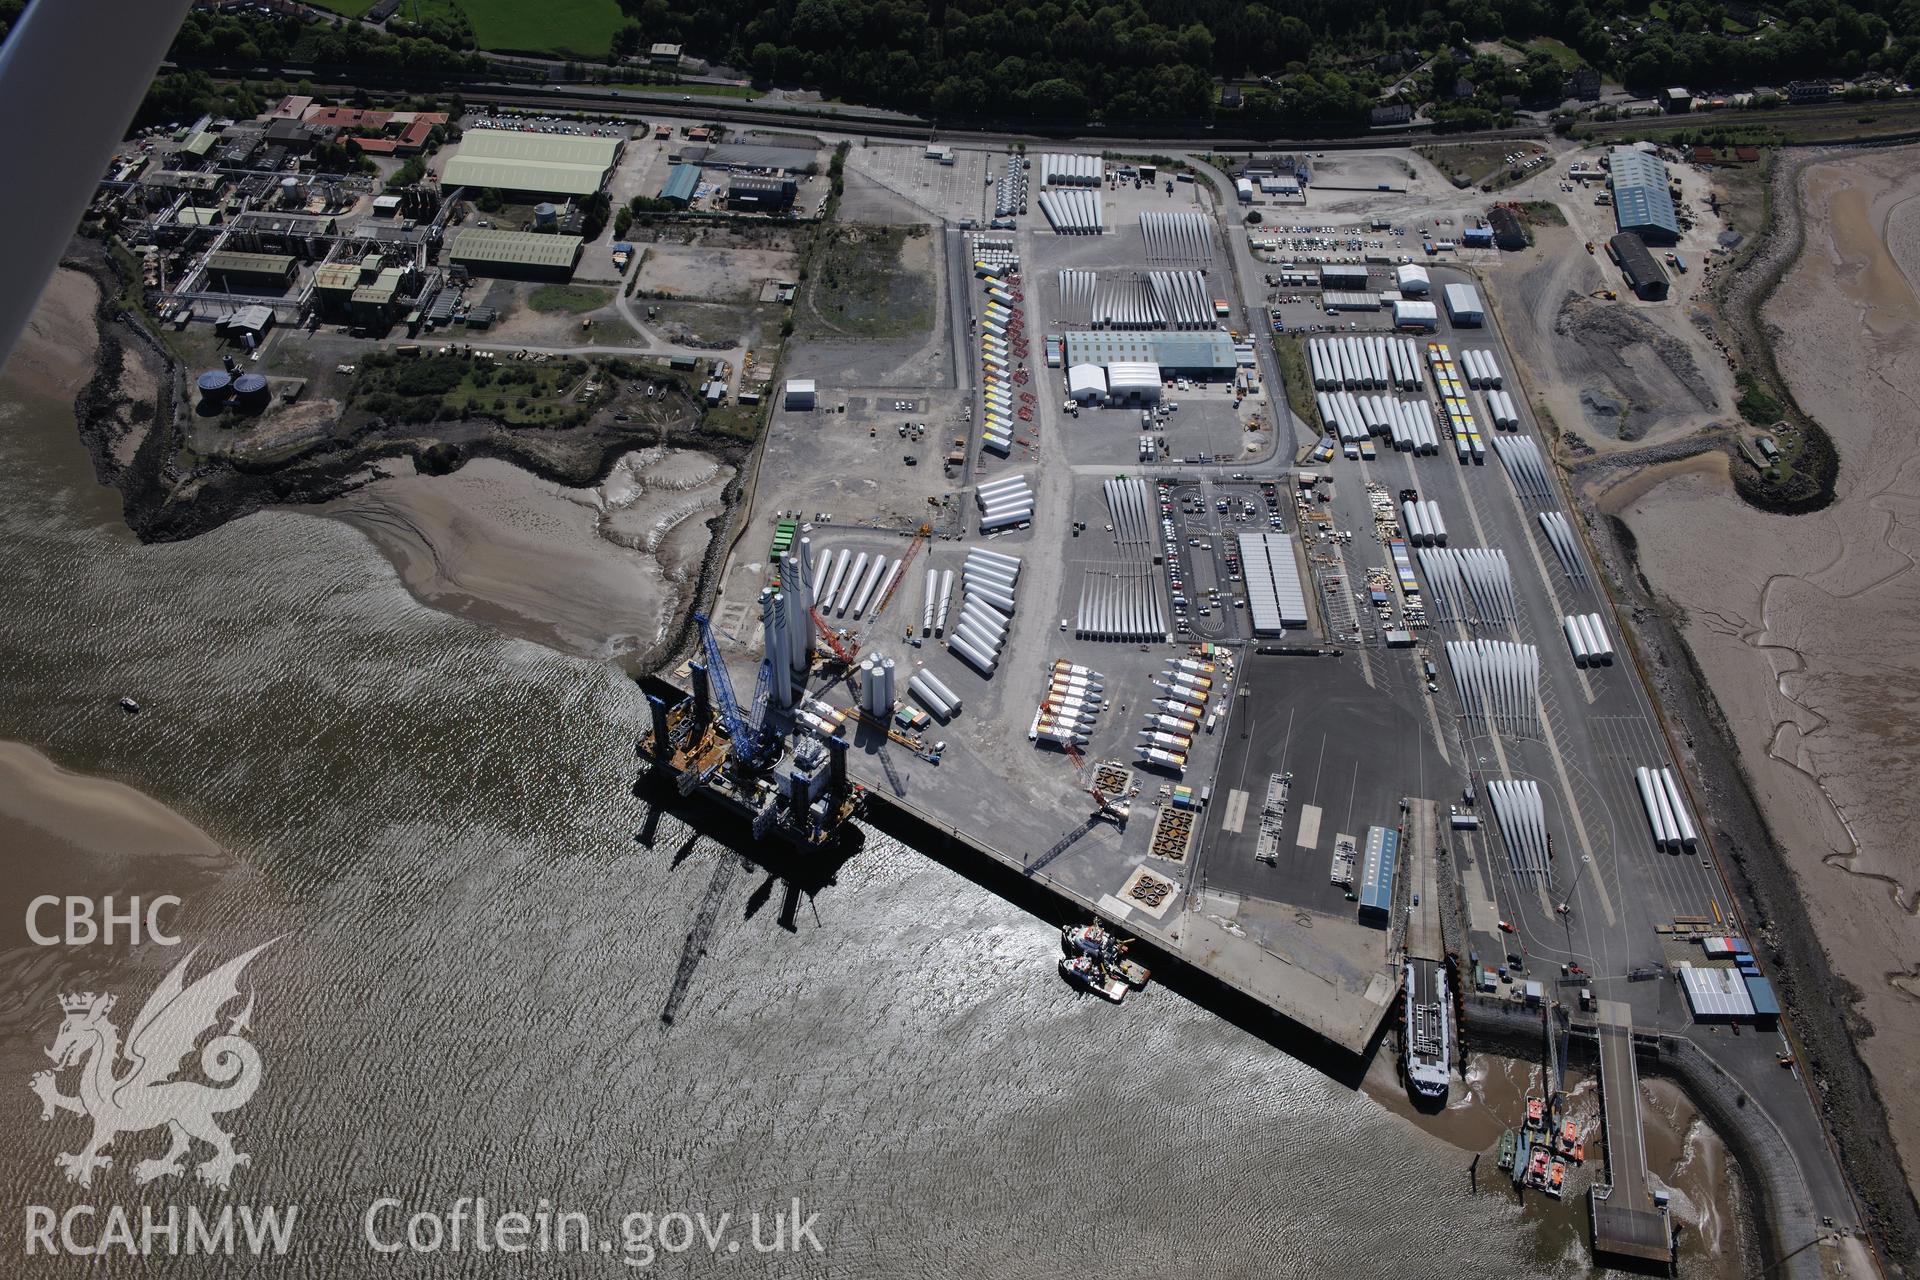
(1302, 62)
(1148, 59)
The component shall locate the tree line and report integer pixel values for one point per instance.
(1304, 62)
(1321, 60)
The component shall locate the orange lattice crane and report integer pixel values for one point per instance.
(845, 650)
(920, 536)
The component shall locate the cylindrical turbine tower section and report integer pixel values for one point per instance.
(939, 686)
(946, 600)
(834, 578)
(773, 623)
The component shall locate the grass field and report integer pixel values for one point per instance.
(863, 287)
(1477, 162)
(1290, 349)
(583, 27)
(573, 298)
(1554, 49)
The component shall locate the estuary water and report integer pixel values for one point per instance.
(471, 950)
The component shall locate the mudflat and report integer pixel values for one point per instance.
(1803, 625)
(600, 571)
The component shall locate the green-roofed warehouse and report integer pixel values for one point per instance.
(531, 164)
(526, 255)
(232, 272)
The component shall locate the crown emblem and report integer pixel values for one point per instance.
(82, 1002)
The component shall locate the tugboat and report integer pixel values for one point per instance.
(1536, 1113)
(1556, 1180)
(1537, 1168)
(1086, 940)
(1085, 972)
(1097, 943)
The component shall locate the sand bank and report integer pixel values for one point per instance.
(67, 834)
(54, 357)
(603, 572)
(93, 815)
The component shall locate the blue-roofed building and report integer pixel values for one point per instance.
(1766, 1005)
(1377, 865)
(682, 181)
(1642, 203)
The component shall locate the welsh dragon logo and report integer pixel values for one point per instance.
(145, 1094)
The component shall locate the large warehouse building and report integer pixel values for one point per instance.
(683, 180)
(760, 195)
(1464, 307)
(1198, 354)
(229, 271)
(525, 255)
(1645, 276)
(540, 165)
(1642, 202)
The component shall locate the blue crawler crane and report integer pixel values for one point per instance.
(747, 733)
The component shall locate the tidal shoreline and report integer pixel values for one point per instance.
(166, 501)
(1769, 901)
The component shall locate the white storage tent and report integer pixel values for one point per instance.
(1087, 383)
(1415, 315)
(1133, 380)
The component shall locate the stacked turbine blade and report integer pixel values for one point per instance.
(1469, 584)
(1498, 682)
(1523, 825)
(1560, 535)
(1525, 467)
(1076, 296)
(1124, 601)
(1177, 237)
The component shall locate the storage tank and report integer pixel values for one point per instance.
(545, 214)
(215, 385)
(250, 391)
